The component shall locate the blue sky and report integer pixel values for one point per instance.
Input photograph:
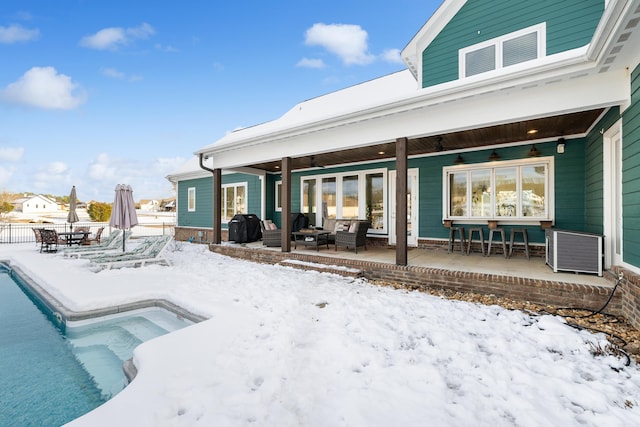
(97, 93)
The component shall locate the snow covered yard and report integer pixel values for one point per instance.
(285, 347)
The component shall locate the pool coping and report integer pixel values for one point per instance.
(62, 314)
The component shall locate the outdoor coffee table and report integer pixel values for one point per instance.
(313, 238)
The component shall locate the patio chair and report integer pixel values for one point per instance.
(271, 234)
(355, 237)
(38, 233)
(85, 238)
(49, 240)
(150, 251)
(96, 238)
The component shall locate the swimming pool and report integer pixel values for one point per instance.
(50, 375)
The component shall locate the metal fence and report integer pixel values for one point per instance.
(11, 232)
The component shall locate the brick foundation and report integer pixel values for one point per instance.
(556, 293)
(630, 290)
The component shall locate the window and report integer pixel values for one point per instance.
(512, 190)
(350, 197)
(347, 195)
(309, 200)
(510, 49)
(278, 196)
(191, 199)
(329, 198)
(234, 200)
(374, 199)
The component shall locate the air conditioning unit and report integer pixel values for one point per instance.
(574, 251)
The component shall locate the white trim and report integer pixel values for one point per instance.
(612, 196)
(277, 192)
(413, 175)
(191, 196)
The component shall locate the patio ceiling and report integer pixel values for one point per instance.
(547, 127)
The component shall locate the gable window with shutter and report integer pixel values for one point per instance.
(511, 49)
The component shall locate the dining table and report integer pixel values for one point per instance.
(74, 237)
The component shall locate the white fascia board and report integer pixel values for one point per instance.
(545, 68)
(510, 104)
(412, 52)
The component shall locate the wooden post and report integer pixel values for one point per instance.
(401, 201)
(217, 206)
(286, 204)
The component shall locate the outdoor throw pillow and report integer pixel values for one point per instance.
(352, 227)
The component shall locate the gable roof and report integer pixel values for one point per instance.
(377, 112)
(325, 108)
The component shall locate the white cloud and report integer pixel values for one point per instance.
(5, 174)
(103, 169)
(113, 73)
(51, 175)
(168, 48)
(392, 55)
(12, 155)
(17, 33)
(114, 37)
(119, 75)
(349, 42)
(310, 63)
(44, 87)
(147, 178)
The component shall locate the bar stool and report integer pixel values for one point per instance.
(525, 240)
(480, 235)
(504, 241)
(452, 238)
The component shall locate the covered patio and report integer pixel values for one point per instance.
(517, 277)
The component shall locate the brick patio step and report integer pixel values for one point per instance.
(323, 268)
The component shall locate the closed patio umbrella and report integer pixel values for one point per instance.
(123, 211)
(72, 216)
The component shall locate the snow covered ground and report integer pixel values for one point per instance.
(285, 347)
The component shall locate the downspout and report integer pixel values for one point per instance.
(216, 219)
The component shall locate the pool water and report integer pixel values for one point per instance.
(49, 377)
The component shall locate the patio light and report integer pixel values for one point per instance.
(494, 156)
(459, 160)
(533, 152)
(560, 146)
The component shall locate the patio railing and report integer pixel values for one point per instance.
(11, 232)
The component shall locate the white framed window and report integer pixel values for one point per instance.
(355, 194)
(511, 49)
(234, 200)
(519, 191)
(278, 196)
(191, 199)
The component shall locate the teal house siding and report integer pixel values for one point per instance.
(569, 186)
(631, 174)
(201, 217)
(570, 24)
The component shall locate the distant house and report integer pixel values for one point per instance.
(149, 205)
(35, 204)
(168, 205)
